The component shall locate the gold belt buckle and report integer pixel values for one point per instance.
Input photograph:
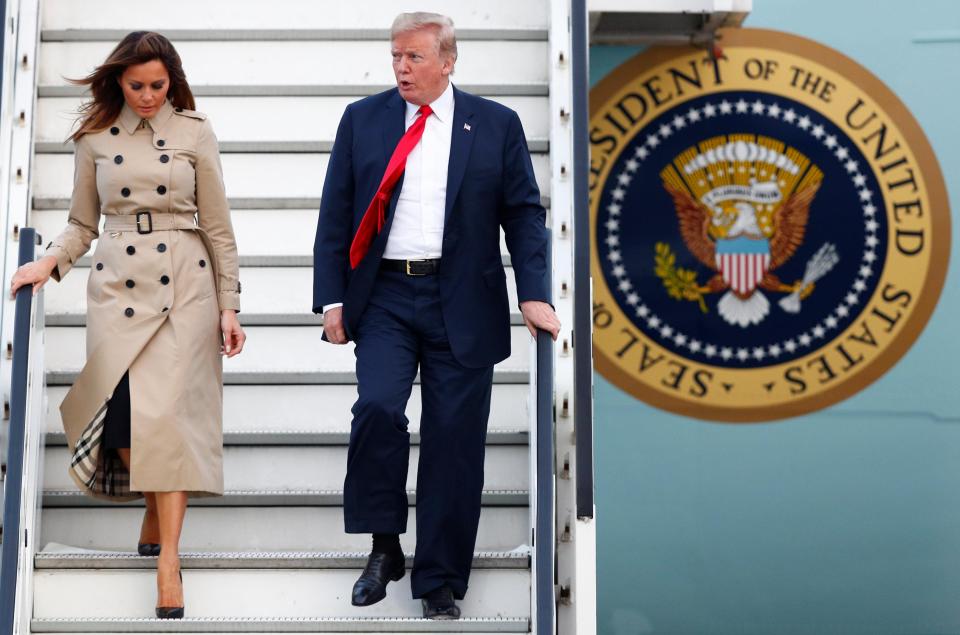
(410, 272)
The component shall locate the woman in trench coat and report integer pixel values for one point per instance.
(144, 417)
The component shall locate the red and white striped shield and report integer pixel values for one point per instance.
(743, 262)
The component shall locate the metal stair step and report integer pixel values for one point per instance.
(323, 410)
(261, 593)
(249, 319)
(70, 558)
(236, 202)
(529, 89)
(290, 467)
(265, 237)
(188, 626)
(297, 123)
(359, 62)
(271, 296)
(261, 438)
(278, 349)
(252, 176)
(266, 498)
(299, 14)
(536, 146)
(287, 378)
(300, 35)
(206, 529)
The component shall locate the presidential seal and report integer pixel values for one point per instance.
(770, 229)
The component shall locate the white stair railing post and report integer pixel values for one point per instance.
(576, 545)
(21, 43)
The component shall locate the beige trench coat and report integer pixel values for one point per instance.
(153, 302)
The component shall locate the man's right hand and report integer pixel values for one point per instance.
(333, 326)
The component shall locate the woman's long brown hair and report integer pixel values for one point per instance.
(138, 47)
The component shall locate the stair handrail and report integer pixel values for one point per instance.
(22, 489)
(544, 536)
(583, 299)
(543, 477)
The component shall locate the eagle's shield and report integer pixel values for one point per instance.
(743, 262)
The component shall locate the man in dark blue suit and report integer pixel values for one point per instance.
(426, 290)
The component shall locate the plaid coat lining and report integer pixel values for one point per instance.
(101, 472)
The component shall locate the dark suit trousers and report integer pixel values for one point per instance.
(400, 330)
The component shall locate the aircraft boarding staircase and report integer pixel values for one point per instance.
(271, 554)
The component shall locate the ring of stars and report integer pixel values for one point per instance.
(710, 350)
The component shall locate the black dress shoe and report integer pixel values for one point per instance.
(439, 604)
(171, 612)
(371, 586)
(148, 549)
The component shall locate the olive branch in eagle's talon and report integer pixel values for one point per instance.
(680, 283)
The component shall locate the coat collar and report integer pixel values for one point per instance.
(131, 120)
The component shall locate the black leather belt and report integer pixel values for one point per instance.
(411, 267)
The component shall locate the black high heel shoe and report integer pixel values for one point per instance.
(148, 549)
(171, 612)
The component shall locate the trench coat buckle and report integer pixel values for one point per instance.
(140, 229)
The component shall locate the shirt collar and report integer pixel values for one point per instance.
(442, 107)
(131, 120)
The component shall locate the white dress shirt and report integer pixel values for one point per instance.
(417, 229)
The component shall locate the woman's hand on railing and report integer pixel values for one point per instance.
(233, 335)
(36, 273)
(540, 315)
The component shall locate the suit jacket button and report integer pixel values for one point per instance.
(161, 189)
(203, 263)
(125, 192)
(114, 131)
(164, 279)
(164, 158)
(99, 266)
(118, 159)
(128, 312)
(131, 249)
(161, 247)
(130, 284)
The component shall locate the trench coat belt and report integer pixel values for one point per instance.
(146, 221)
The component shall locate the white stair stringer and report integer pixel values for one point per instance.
(271, 554)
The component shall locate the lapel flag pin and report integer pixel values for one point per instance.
(466, 127)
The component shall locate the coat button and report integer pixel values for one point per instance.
(164, 158)
(99, 266)
(161, 247)
(125, 192)
(203, 263)
(161, 189)
(165, 309)
(128, 312)
(161, 142)
(131, 249)
(164, 279)
(114, 131)
(118, 159)
(130, 284)
(178, 109)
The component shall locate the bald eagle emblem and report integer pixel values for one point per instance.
(742, 203)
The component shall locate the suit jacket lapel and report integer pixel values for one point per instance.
(461, 141)
(394, 127)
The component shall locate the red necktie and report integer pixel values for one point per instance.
(375, 216)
